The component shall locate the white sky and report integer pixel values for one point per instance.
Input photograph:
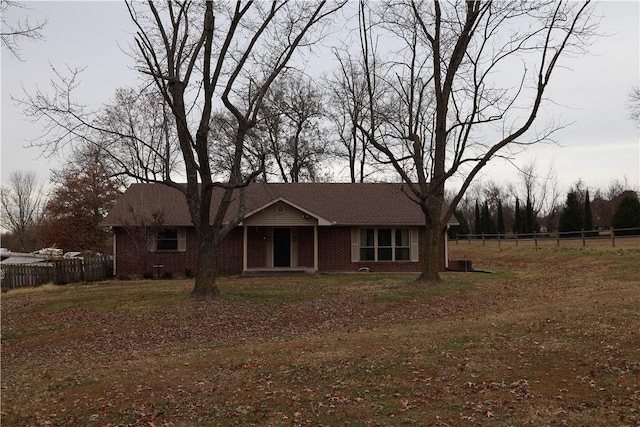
(601, 145)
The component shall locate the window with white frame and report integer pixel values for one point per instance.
(170, 239)
(384, 244)
(402, 244)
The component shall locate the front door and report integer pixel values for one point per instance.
(282, 247)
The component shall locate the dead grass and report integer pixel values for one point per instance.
(551, 337)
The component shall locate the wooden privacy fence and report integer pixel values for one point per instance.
(57, 271)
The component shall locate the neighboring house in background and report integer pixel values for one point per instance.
(306, 227)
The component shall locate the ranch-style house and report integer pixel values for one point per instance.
(287, 227)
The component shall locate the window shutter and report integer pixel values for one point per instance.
(415, 249)
(151, 242)
(182, 240)
(355, 244)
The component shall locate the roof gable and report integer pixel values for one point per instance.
(275, 202)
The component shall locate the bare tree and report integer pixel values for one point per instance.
(201, 56)
(141, 232)
(541, 189)
(290, 123)
(348, 95)
(135, 132)
(634, 105)
(140, 139)
(22, 201)
(12, 33)
(458, 104)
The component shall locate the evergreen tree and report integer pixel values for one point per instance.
(587, 221)
(462, 228)
(517, 224)
(478, 223)
(488, 225)
(627, 214)
(529, 218)
(571, 218)
(501, 229)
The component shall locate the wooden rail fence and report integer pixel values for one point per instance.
(57, 271)
(559, 239)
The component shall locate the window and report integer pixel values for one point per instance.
(402, 247)
(384, 244)
(367, 244)
(169, 240)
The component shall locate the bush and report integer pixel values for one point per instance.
(188, 273)
(627, 215)
(148, 275)
(167, 275)
(571, 217)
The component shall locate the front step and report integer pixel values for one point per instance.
(276, 273)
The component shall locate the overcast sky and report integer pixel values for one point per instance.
(601, 145)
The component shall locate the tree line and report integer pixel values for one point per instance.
(502, 212)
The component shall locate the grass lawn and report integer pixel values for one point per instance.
(550, 337)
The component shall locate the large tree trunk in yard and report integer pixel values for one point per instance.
(431, 262)
(205, 287)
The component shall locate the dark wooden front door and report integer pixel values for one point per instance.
(282, 247)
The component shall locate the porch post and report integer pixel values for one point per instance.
(244, 248)
(115, 253)
(315, 247)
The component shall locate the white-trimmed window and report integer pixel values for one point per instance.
(384, 244)
(170, 240)
(402, 244)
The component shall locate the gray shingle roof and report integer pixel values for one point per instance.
(339, 203)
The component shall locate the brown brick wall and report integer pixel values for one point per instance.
(135, 262)
(334, 253)
(304, 236)
(230, 255)
(257, 247)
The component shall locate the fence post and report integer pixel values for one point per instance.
(535, 238)
(613, 238)
(516, 233)
(584, 243)
(483, 238)
(469, 238)
(557, 238)
(456, 239)
(498, 238)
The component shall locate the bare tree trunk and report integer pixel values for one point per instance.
(431, 265)
(205, 287)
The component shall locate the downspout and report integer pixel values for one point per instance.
(244, 248)
(446, 248)
(315, 248)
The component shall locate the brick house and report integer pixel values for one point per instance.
(307, 227)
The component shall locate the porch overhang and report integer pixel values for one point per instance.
(320, 220)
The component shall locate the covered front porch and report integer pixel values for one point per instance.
(280, 249)
(280, 238)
